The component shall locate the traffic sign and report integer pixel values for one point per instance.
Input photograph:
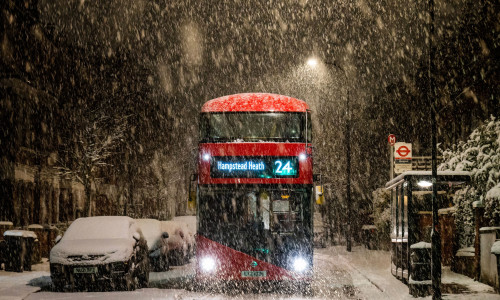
(402, 151)
(402, 155)
(391, 139)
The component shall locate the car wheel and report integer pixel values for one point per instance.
(163, 264)
(166, 263)
(143, 278)
(57, 286)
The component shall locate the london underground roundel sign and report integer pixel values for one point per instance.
(402, 151)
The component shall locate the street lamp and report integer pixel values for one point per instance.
(435, 236)
(313, 62)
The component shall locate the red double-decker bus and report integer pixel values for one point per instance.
(255, 188)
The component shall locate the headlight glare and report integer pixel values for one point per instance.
(300, 264)
(207, 264)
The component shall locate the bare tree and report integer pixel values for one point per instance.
(91, 149)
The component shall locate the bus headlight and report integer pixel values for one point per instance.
(207, 264)
(300, 264)
(206, 156)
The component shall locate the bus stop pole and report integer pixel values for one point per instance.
(348, 171)
(391, 175)
(435, 237)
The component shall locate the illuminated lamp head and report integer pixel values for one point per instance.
(424, 183)
(302, 156)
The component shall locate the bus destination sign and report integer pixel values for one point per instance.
(254, 167)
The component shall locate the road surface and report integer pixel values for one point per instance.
(360, 274)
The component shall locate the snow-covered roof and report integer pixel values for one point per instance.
(254, 102)
(445, 175)
(21, 233)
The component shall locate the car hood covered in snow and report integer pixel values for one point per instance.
(92, 252)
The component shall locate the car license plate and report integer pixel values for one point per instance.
(85, 270)
(253, 273)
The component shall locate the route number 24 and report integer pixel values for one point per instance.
(283, 169)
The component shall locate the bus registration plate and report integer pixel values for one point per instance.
(253, 273)
(85, 270)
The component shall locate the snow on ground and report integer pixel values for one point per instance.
(374, 266)
(360, 274)
(15, 285)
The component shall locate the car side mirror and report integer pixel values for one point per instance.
(58, 238)
(164, 235)
(137, 236)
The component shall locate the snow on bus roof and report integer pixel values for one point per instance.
(458, 174)
(255, 102)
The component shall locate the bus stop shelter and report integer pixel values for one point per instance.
(411, 220)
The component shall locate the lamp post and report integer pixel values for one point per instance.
(435, 236)
(313, 62)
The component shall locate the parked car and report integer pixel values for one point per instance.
(177, 242)
(188, 224)
(100, 252)
(157, 241)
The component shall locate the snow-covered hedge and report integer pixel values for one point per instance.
(382, 214)
(480, 155)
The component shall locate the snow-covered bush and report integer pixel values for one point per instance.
(464, 215)
(382, 214)
(480, 155)
(492, 205)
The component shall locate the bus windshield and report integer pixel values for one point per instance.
(253, 127)
(242, 211)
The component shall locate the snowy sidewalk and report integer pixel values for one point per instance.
(370, 270)
(14, 286)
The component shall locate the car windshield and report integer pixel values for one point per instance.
(97, 228)
(253, 127)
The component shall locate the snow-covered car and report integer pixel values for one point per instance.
(157, 241)
(100, 252)
(178, 243)
(188, 224)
